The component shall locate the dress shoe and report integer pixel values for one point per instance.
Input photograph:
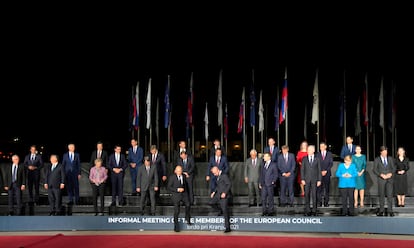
(152, 214)
(392, 214)
(113, 204)
(52, 213)
(308, 214)
(264, 214)
(188, 221)
(380, 214)
(11, 213)
(326, 205)
(101, 214)
(96, 214)
(227, 230)
(176, 229)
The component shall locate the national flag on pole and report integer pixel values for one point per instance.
(261, 113)
(220, 100)
(241, 114)
(148, 102)
(284, 103)
(276, 110)
(392, 108)
(252, 107)
(135, 121)
(365, 103)
(381, 100)
(315, 108)
(206, 123)
(190, 103)
(358, 119)
(226, 125)
(167, 104)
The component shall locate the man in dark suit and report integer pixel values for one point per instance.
(311, 179)
(117, 165)
(221, 195)
(188, 165)
(384, 169)
(33, 163)
(54, 183)
(217, 145)
(348, 148)
(326, 159)
(182, 147)
(252, 170)
(147, 184)
(72, 164)
(14, 184)
(286, 171)
(221, 162)
(158, 160)
(135, 158)
(101, 153)
(268, 178)
(178, 188)
(272, 149)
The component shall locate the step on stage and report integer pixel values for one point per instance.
(375, 225)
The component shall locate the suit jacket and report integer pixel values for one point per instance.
(160, 163)
(311, 173)
(275, 153)
(190, 167)
(104, 157)
(289, 166)
(122, 162)
(173, 184)
(345, 151)
(327, 163)
(223, 185)
(253, 173)
(223, 165)
(56, 177)
(71, 167)
(136, 157)
(213, 151)
(176, 155)
(379, 167)
(37, 162)
(146, 181)
(268, 176)
(21, 178)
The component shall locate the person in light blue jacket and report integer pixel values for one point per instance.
(346, 174)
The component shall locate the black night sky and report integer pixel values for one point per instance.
(79, 90)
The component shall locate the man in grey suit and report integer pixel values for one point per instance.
(147, 184)
(252, 169)
(54, 183)
(384, 169)
(311, 179)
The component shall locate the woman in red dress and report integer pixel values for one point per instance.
(303, 151)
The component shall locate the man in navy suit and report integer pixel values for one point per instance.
(326, 159)
(15, 183)
(348, 148)
(268, 177)
(178, 188)
(33, 163)
(311, 179)
(188, 165)
(54, 183)
(135, 158)
(286, 171)
(272, 149)
(117, 165)
(72, 164)
(221, 162)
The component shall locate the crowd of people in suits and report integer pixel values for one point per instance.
(275, 169)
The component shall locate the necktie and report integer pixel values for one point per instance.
(385, 162)
(218, 161)
(153, 158)
(14, 174)
(33, 157)
(286, 158)
(71, 157)
(99, 154)
(350, 148)
(148, 169)
(311, 159)
(135, 150)
(180, 179)
(254, 163)
(185, 163)
(323, 155)
(117, 158)
(271, 150)
(267, 165)
(53, 167)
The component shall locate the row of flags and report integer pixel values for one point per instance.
(280, 111)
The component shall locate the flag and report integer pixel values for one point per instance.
(167, 104)
(365, 103)
(358, 119)
(252, 108)
(241, 114)
(261, 110)
(190, 103)
(381, 100)
(392, 109)
(276, 111)
(135, 104)
(206, 123)
(315, 108)
(284, 103)
(148, 102)
(226, 125)
(220, 100)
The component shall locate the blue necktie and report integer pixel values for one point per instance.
(14, 173)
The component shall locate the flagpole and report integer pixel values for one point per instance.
(254, 126)
(366, 120)
(382, 123)
(344, 110)
(220, 105)
(169, 135)
(287, 114)
(277, 118)
(244, 127)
